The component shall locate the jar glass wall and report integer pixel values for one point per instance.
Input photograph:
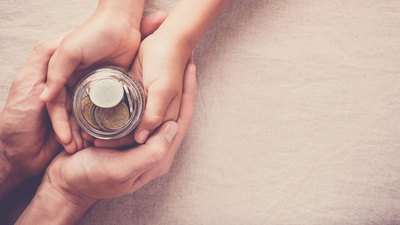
(108, 103)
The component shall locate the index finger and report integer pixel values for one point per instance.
(62, 64)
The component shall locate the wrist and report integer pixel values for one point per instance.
(182, 45)
(52, 205)
(130, 10)
(198, 16)
(184, 39)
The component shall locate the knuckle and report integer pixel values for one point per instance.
(70, 51)
(165, 86)
(160, 15)
(115, 177)
(40, 46)
(171, 88)
(154, 120)
(164, 170)
(158, 154)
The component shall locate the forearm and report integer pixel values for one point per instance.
(191, 18)
(132, 9)
(50, 206)
(9, 178)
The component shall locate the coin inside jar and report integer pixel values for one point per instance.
(85, 101)
(88, 114)
(115, 117)
(108, 103)
(106, 93)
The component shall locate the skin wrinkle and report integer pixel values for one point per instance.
(16, 170)
(18, 113)
(30, 173)
(174, 101)
(60, 190)
(4, 153)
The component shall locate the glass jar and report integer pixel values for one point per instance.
(108, 103)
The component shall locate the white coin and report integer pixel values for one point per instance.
(106, 93)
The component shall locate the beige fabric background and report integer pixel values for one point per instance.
(296, 119)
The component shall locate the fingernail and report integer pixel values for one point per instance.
(170, 131)
(143, 135)
(44, 94)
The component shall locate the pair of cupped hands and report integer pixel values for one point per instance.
(37, 122)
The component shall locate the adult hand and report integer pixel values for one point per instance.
(75, 181)
(27, 139)
(105, 39)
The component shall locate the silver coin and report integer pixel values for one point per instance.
(106, 93)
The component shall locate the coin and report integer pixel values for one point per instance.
(87, 113)
(106, 93)
(128, 97)
(85, 100)
(115, 117)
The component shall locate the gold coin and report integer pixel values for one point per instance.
(87, 113)
(85, 101)
(115, 117)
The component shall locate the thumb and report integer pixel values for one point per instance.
(62, 64)
(158, 144)
(157, 148)
(142, 158)
(151, 23)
